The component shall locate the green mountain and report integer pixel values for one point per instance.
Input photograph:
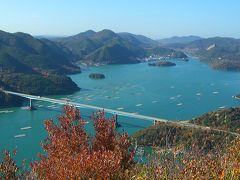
(138, 39)
(34, 66)
(41, 55)
(168, 135)
(114, 53)
(107, 47)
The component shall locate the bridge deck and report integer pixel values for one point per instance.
(63, 102)
(116, 112)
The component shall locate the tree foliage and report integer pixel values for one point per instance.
(8, 168)
(71, 154)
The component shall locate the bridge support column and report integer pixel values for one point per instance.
(117, 125)
(30, 105)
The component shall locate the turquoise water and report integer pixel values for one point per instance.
(177, 93)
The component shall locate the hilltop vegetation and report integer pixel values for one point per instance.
(34, 66)
(107, 47)
(226, 119)
(172, 135)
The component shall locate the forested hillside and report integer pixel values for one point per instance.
(34, 66)
(108, 47)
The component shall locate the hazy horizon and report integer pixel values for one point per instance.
(58, 36)
(155, 18)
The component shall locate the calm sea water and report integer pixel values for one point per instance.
(176, 93)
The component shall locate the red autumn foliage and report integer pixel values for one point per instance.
(8, 168)
(71, 154)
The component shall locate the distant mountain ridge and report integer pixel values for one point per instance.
(220, 52)
(179, 39)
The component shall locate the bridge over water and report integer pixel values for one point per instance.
(114, 112)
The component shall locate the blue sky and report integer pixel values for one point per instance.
(153, 18)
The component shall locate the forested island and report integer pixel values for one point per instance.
(96, 76)
(162, 63)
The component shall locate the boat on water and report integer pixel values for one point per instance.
(7, 111)
(222, 107)
(25, 128)
(20, 135)
(138, 105)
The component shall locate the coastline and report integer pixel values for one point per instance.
(236, 97)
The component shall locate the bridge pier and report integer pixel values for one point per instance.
(117, 124)
(30, 105)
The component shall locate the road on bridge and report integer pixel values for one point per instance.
(116, 112)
